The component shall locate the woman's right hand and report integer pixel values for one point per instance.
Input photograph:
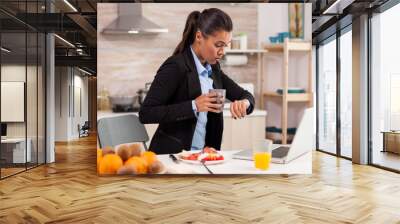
(207, 103)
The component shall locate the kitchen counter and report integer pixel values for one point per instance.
(227, 113)
(300, 165)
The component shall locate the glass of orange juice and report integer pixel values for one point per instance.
(262, 154)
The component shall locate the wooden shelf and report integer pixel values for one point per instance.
(291, 97)
(284, 49)
(292, 46)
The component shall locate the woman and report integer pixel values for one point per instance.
(179, 101)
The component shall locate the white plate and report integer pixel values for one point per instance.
(206, 162)
(197, 162)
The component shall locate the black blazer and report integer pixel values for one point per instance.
(169, 103)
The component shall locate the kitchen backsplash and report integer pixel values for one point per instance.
(127, 62)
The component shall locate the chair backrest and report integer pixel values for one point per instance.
(117, 130)
(86, 125)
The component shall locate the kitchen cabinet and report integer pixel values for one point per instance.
(243, 133)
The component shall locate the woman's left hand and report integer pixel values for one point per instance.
(239, 107)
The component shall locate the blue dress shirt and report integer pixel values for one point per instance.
(206, 84)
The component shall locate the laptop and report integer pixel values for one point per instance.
(303, 142)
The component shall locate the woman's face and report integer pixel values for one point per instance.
(211, 47)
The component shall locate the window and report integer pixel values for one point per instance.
(346, 93)
(327, 97)
(385, 89)
(22, 75)
(335, 74)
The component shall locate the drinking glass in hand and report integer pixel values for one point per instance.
(220, 97)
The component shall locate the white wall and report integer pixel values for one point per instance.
(12, 101)
(272, 19)
(61, 103)
(67, 80)
(17, 73)
(33, 127)
(14, 73)
(80, 118)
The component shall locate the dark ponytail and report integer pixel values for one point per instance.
(208, 21)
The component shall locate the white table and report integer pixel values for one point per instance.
(301, 165)
(18, 153)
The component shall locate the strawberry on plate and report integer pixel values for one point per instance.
(209, 150)
(211, 156)
(208, 155)
(187, 155)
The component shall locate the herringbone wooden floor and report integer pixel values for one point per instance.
(69, 191)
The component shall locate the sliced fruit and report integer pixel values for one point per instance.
(208, 154)
(209, 150)
(190, 156)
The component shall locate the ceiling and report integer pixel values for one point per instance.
(332, 15)
(76, 22)
(75, 43)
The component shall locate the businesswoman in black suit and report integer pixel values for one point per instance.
(179, 101)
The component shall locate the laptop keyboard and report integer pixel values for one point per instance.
(280, 152)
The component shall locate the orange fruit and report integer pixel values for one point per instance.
(150, 157)
(110, 163)
(140, 164)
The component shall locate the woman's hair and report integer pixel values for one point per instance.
(208, 21)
